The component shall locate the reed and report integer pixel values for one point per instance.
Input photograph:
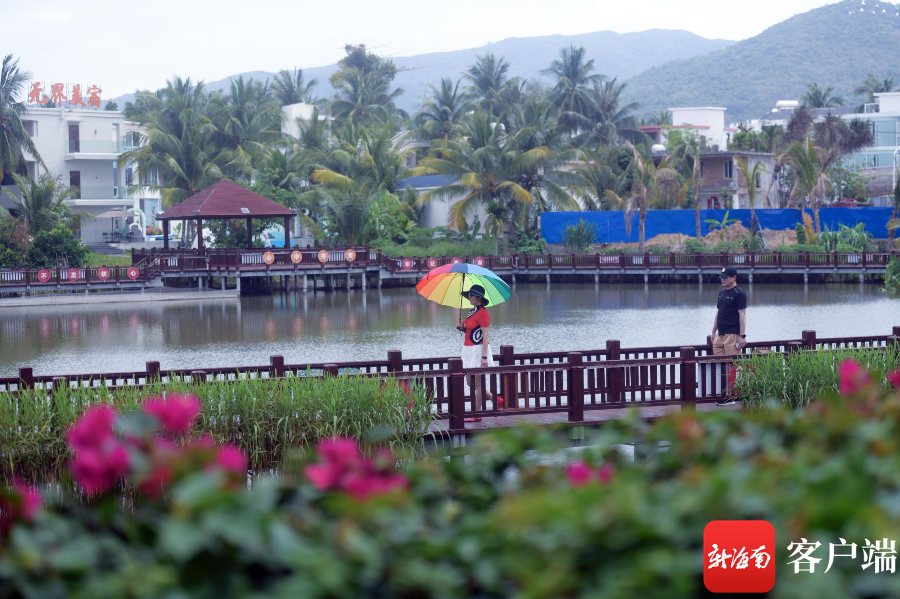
(798, 378)
(265, 417)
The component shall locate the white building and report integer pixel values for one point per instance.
(708, 121)
(437, 212)
(82, 149)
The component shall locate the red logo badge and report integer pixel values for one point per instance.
(479, 261)
(296, 257)
(738, 556)
(350, 255)
(103, 273)
(133, 273)
(73, 274)
(43, 275)
(455, 261)
(432, 263)
(323, 256)
(268, 257)
(406, 264)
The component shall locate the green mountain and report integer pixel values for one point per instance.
(615, 54)
(836, 45)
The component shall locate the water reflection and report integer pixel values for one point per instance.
(361, 325)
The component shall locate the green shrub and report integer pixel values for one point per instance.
(579, 238)
(892, 275)
(801, 233)
(506, 518)
(13, 242)
(694, 246)
(799, 248)
(265, 417)
(607, 251)
(478, 247)
(728, 247)
(754, 243)
(657, 249)
(58, 245)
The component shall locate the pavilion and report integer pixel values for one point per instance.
(226, 201)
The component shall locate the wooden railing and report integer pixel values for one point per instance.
(571, 382)
(48, 277)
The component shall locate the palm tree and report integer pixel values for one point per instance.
(365, 97)
(361, 172)
(797, 128)
(663, 117)
(810, 179)
(42, 205)
(487, 76)
(441, 115)
(815, 97)
(649, 179)
(688, 154)
(248, 125)
(750, 176)
(573, 81)
(180, 130)
(599, 173)
(872, 86)
(289, 87)
(485, 167)
(608, 117)
(14, 140)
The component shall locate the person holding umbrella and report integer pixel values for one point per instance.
(476, 345)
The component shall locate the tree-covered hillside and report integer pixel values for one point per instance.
(836, 45)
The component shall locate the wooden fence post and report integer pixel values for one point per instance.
(457, 395)
(330, 369)
(576, 387)
(793, 346)
(688, 379)
(509, 384)
(614, 375)
(395, 360)
(198, 376)
(895, 333)
(809, 339)
(153, 372)
(26, 378)
(59, 382)
(276, 366)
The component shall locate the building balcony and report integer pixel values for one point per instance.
(97, 193)
(91, 149)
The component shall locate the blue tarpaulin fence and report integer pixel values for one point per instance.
(611, 225)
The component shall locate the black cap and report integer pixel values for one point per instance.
(728, 271)
(477, 290)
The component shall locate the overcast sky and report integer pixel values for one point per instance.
(122, 45)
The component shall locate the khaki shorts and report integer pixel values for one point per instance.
(726, 345)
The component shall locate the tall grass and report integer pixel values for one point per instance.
(267, 418)
(798, 378)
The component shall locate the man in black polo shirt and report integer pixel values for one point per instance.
(730, 323)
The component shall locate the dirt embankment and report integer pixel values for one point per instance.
(736, 232)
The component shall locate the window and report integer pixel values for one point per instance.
(30, 128)
(701, 169)
(727, 169)
(758, 182)
(129, 176)
(75, 181)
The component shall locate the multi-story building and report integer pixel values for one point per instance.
(707, 121)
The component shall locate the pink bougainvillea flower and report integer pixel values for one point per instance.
(362, 486)
(853, 378)
(232, 459)
(31, 500)
(343, 468)
(339, 452)
(21, 501)
(578, 473)
(157, 480)
(894, 378)
(92, 429)
(98, 470)
(605, 473)
(177, 414)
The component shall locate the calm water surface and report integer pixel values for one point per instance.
(365, 325)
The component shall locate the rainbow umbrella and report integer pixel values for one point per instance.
(445, 285)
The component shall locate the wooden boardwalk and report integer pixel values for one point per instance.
(592, 418)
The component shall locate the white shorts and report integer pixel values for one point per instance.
(471, 356)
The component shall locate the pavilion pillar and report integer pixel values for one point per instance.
(287, 232)
(249, 233)
(165, 234)
(200, 234)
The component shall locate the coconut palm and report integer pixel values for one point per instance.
(14, 140)
(663, 117)
(872, 86)
(648, 181)
(442, 114)
(810, 178)
(750, 176)
(797, 129)
(816, 97)
(608, 118)
(366, 97)
(574, 78)
(599, 173)
(289, 87)
(688, 155)
(248, 126)
(486, 77)
(486, 167)
(42, 205)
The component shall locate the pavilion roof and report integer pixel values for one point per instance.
(225, 200)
